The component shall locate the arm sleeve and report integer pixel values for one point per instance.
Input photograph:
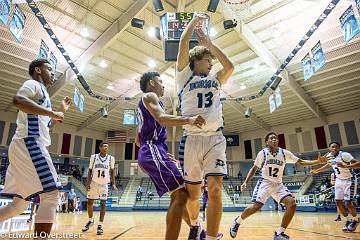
(290, 157)
(259, 159)
(29, 89)
(92, 159)
(346, 157)
(112, 162)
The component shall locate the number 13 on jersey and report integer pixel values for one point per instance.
(205, 99)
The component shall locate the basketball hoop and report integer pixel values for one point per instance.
(242, 8)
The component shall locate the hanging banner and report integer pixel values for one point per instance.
(307, 67)
(81, 103)
(129, 117)
(278, 99)
(17, 23)
(76, 97)
(44, 49)
(272, 103)
(349, 24)
(318, 59)
(5, 7)
(53, 63)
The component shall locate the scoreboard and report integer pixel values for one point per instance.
(172, 27)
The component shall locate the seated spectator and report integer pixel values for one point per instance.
(150, 195)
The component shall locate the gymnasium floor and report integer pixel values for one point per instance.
(150, 225)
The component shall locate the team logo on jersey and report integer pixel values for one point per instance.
(275, 161)
(203, 84)
(220, 163)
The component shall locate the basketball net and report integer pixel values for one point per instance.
(242, 8)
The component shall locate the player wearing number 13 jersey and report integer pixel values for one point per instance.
(101, 173)
(202, 150)
(271, 160)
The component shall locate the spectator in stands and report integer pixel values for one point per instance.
(240, 175)
(71, 200)
(139, 193)
(63, 202)
(150, 195)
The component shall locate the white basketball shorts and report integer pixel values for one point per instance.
(265, 188)
(98, 191)
(345, 189)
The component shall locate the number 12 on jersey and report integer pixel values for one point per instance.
(208, 99)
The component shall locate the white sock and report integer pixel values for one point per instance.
(238, 219)
(210, 238)
(349, 217)
(193, 222)
(354, 218)
(101, 223)
(280, 230)
(91, 219)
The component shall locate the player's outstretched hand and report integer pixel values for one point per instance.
(197, 120)
(114, 187)
(243, 187)
(203, 39)
(57, 116)
(66, 103)
(198, 18)
(322, 159)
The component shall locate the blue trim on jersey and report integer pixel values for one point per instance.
(42, 168)
(257, 187)
(182, 90)
(33, 125)
(181, 150)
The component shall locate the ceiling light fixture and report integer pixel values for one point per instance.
(152, 63)
(84, 32)
(213, 32)
(103, 64)
(243, 87)
(276, 32)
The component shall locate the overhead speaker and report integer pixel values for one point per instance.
(212, 5)
(276, 83)
(230, 24)
(158, 5)
(248, 112)
(138, 23)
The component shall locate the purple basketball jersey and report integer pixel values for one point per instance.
(153, 158)
(149, 129)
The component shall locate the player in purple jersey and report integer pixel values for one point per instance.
(153, 157)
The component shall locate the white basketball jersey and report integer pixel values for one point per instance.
(345, 157)
(200, 95)
(272, 165)
(30, 125)
(101, 168)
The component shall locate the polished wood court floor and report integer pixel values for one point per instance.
(151, 225)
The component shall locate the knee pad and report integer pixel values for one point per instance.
(47, 207)
(17, 206)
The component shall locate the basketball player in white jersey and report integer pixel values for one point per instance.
(203, 149)
(31, 171)
(101, 173)
(271, 160)
(345, 182)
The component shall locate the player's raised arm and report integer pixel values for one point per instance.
(319, 160)
(228, 68)
(152, 104)
(183, 53)
(354, 164)
(322, 169)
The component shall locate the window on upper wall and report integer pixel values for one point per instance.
(77, 146)
(320, 138)
(335, 133)
(248, 149)
(258, 144)
(351, 134)
(97, 145)
(65, 148)
(88, 147)
(128, 151)
(2, 127)
(281, 138)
